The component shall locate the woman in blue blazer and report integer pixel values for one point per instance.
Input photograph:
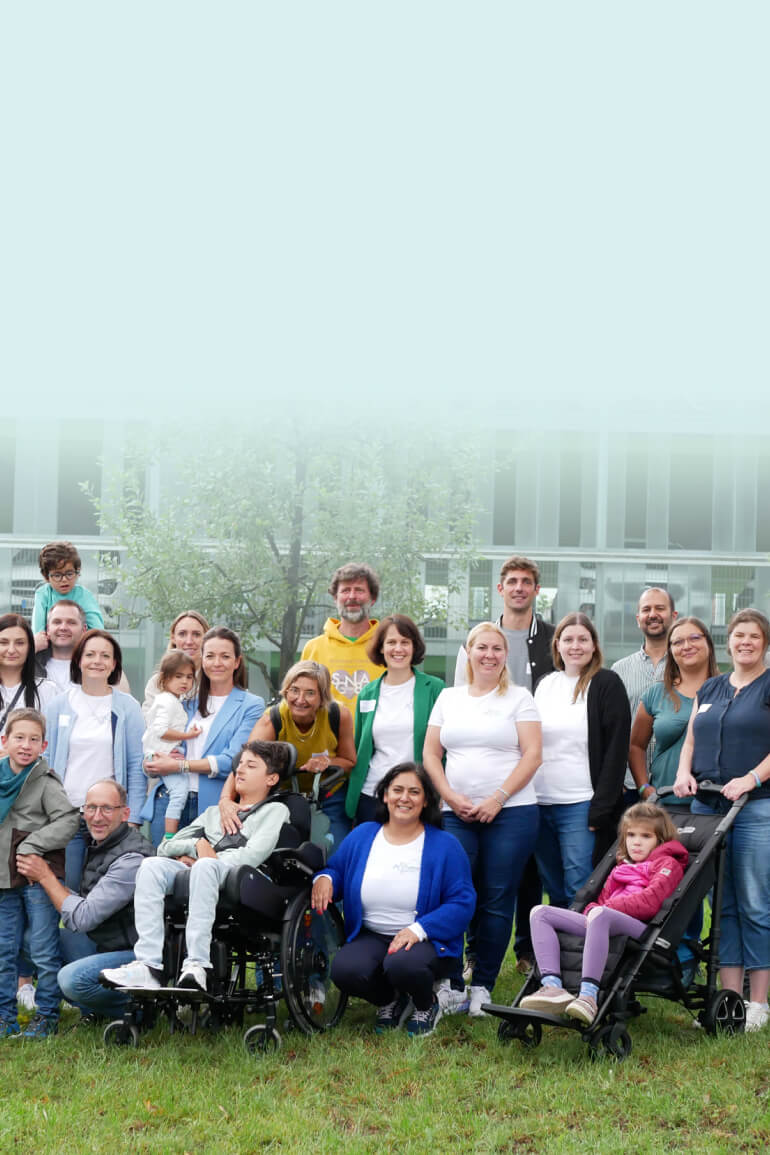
(408, 897)
(225, 712)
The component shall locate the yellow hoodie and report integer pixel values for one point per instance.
(346, 660)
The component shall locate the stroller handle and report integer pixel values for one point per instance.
(708, 787)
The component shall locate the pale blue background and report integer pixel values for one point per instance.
(542, 206)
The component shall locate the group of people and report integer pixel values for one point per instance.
(450, 809)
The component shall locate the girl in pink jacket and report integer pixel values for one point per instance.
(650, 866)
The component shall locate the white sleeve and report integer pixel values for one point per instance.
(437, 713)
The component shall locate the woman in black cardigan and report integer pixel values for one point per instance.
(586, 725)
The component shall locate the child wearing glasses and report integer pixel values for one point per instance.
(167, 727)
(36, 817)
(59, 563)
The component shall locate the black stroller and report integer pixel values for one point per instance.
(268, 945)
(649, 965)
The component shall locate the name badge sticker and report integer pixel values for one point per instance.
(704, 707)
(367, 705)
(64, 720)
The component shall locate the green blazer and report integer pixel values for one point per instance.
(426, 690)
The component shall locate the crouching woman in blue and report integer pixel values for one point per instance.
(406, 885)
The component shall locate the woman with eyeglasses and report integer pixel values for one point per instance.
(665, 709)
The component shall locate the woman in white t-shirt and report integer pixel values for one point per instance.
(489, 731)
(408, 898)
(19, 685)
(586, 721)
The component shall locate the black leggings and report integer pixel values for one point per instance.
(364, 969)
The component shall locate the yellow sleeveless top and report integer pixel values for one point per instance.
(319, 739)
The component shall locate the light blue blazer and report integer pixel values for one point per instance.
(229, 730)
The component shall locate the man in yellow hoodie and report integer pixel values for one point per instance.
(343, 644)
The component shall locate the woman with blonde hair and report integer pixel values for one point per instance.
(586, 722)
(186, 634)
(489, 732)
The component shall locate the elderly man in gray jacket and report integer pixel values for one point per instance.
(209, 854)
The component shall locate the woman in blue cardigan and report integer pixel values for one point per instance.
(225, 712)
(408, 896)
(391, 713)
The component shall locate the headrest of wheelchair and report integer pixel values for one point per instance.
(291, 759)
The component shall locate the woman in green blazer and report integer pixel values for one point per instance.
(391, 713)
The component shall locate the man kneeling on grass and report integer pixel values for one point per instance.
(209, 855)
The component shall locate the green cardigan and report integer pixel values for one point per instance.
(426, 690)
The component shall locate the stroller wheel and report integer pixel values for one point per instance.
(614, 1040)
(259, 1040)
(725, 1014)
(528, 1034)
(121, 1034)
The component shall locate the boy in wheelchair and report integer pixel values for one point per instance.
(209, 855)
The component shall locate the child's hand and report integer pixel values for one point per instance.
(193, 732)
(41, 641)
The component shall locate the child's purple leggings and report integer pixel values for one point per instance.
(544, 922)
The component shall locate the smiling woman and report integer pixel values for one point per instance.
(19, 685)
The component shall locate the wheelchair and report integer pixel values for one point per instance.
(267, 946)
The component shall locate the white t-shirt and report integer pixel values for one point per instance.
(564, 776)
(196, 746)
(481, 741)
(89, 756)
(390, 884)
(46, 692)
(165, 713)
(392, 732)
(59, 670)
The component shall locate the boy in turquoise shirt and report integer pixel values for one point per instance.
(60, 566)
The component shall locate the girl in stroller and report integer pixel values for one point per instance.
(651, 863)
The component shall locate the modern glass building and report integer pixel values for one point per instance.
(605, 513)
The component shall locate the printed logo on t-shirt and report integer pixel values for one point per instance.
(349, 685)
(407, 867)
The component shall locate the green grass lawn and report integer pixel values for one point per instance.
(459, 1090)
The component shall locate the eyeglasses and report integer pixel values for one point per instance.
(90, 810)
(64, 575)
(691, 640)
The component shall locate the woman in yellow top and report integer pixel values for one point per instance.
(320, 732)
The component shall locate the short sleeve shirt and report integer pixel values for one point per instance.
(731, 730)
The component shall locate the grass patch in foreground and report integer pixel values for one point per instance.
(461, 1089)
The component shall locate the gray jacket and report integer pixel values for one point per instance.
(43, 809)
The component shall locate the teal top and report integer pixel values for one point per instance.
(669, 727)
(46, 598)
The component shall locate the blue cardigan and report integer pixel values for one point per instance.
(445, 897)
(230, 729)
(127, 728)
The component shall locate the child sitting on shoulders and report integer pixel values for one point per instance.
(651, 863)
(166, 722)
(210, 855)
(60, 563)
(36, 817)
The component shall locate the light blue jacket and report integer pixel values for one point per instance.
(230, 729)
(127, 729)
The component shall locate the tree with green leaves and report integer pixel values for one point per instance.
(248, 528)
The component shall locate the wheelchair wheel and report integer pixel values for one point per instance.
(725, 1014)
(260, 1040)
(308, 945)
(120, 1034)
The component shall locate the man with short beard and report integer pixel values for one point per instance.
(342, 647)
(65, 626)
(638, 671)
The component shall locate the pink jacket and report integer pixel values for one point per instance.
(639, 889)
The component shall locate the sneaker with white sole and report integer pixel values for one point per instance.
(133, 976)
(25, 997)
(423, 1023)
(550, 1000)
(583, 1008)
(452, 1002)
(757, 1016)
(193, 975)
(477, 996)
(392, 1015)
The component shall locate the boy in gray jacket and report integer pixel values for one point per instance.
(36, 817)
(210, 855)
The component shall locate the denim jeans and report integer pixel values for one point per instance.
(158, 821)
(75, 856)
(79, 977)
(333, 807)
(32, 905)
(745, 927)
(563, 850)
(498, 852)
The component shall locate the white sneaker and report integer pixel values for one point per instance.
(134, 975)
(452, 1002)
(478, 995)
(757, 1016)
(193, 975)
(25, 997)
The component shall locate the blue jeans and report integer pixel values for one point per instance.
(75, 856)
(333, 807)
(29, 904)
(745, 927)
(79, 977)
(498, 852)
(158, 821)
(563, 850)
